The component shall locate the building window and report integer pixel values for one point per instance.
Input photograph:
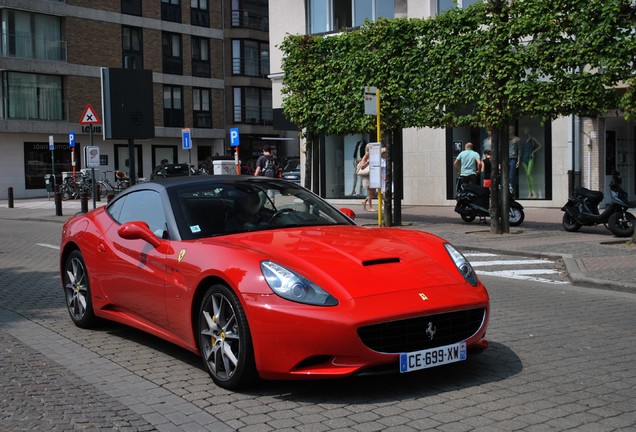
(172, 54)
(171, 10)
(199, 13)
(250, 58)
(444, 5)
(334, 15)
(200, 57)
(32, 97)
(33, 36)
(37, 163)
(252, 105)
(201, 112)
(131, 7)
(252, 14)
(132, 48)
(172, 106)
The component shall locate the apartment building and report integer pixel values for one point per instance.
(572, 150)
(209, 63)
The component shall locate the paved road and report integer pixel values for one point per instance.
(561, 358)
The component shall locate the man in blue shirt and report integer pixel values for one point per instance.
(468, 164)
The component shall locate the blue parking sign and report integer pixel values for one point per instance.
(234, 137)
(71, 139)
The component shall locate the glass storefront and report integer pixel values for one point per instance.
(529, 155)
(341, 155)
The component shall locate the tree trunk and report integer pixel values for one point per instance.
(495, 208)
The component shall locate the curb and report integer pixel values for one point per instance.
(572, 268)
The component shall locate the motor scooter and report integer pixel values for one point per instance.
(582, 210)
(474, 200)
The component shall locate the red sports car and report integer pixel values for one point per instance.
(263, 278)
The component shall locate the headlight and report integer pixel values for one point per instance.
(292, 286)
(462, 265)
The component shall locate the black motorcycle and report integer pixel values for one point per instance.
(582, 209)
(474, 200)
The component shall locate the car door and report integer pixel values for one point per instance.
(136, 283)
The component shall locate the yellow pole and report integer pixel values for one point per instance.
(379, 139)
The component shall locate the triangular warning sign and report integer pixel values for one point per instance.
(90, 116)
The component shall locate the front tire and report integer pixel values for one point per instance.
(621, 224)
(570, 224)
(77, 291)
(516, 216)
(225, 341)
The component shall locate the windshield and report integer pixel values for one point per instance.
(205, 209)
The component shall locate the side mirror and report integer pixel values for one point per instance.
(138, 230)
(349, 213)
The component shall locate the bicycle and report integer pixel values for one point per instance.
(73, 189)
(107, 188)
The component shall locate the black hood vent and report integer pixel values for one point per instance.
(380, 261)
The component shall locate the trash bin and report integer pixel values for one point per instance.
(49, 181)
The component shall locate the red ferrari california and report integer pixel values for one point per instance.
(264, 279)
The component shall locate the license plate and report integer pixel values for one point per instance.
(417, 360)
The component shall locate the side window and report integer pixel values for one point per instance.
(144, 206)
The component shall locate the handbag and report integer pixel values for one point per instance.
(362, 171)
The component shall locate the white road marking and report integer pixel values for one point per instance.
(479, 254)
(509, 262)
(48, 246)
(524, 275)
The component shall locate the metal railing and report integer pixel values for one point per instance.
(248, 19)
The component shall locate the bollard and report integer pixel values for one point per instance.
(84, 202)
(10, 197)
(58, 201)
(98, 192)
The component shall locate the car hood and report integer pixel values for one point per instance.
(360, 261)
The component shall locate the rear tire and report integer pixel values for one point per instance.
(570, 224)
(621, 224)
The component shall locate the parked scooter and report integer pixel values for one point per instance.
(582, 209)
(474, 200)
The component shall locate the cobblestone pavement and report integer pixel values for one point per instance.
(561, 357)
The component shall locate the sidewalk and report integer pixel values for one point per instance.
(593, 256)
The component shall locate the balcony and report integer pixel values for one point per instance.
(250, 20)
(250, 68)
(254, 115)
(20, 46)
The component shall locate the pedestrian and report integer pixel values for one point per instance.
(468, 164)
(363, 170)
(265, 164)
(487, 168)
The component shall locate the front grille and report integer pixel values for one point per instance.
(411, 334)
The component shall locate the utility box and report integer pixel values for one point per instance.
(224, 167)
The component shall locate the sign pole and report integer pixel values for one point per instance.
(379, 139)
(52, 148)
